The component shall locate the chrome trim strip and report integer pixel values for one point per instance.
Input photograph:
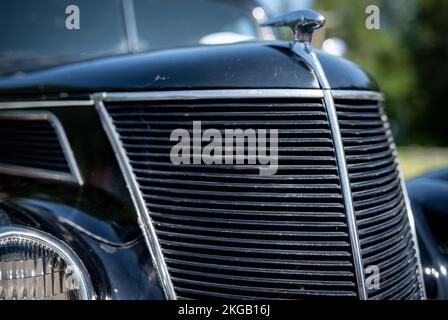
(68, 152)
(130, 25)
(411, 221)
(58, 246)
(357, 95)
(347, 194)
(35, 173)
(211, 94)
(45, 104)
(304, 50)
(413, 230)
(75, 175)
(144, 218)
(377, 96)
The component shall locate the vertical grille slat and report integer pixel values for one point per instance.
(380, 210)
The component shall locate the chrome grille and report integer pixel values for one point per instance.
(383, 226)
(32, 144)
(224, 230)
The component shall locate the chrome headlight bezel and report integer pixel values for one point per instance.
(60, 248)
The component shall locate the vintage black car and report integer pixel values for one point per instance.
(92, 205)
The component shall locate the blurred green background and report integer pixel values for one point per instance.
(408, 56)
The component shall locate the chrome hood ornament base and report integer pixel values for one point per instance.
(302, 22)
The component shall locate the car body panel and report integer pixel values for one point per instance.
(237, 66)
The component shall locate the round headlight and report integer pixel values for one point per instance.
(35, 265)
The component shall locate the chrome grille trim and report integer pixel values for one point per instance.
(210, 94)
(326, 94)
(357, 95)
(379, 97)
(304, 50)
(388, 210)
(45, 104)
(74, 176)
(346, 192)
(412, 224)
(144, 219)
(131, 121)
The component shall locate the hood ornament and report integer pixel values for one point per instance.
(302, 22)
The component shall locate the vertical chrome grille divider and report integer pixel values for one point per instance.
(305, 51)
(144, 218)
(346, 193)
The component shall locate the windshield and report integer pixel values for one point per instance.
(169, 23)
(34, 34)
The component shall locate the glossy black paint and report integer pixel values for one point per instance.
(237, 66)
(104, 190)
(117, 271)
(343, 74)
(428, 196)
(97, 219)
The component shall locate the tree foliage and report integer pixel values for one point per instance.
(408, 57)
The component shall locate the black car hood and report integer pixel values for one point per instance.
(236, 66)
